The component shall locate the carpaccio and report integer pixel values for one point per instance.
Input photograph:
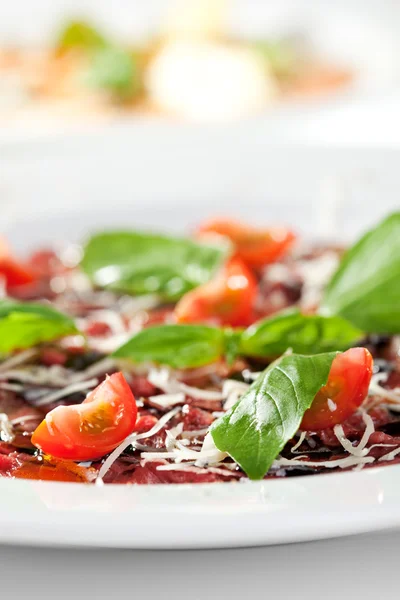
(34, 381)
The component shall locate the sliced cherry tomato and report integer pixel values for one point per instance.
(228, 299)
(89, 430)
(14, 272)
(257, 247)
(345, 391)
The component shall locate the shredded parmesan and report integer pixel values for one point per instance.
(12, 387)
(251, 375)
(316, 274)
(53, 376)
(130, 306)
(165, 381)
(167, 400)
(109, 344)
(180, 453)
(360, 450)
(232, 390)
(200, 394)
(375, 389)
(18, 359)
(191, 468)
(358, 454)
(194, 433)
(171, 436)
(390, 455)
(6, 430)
(99, 368)
(205, 371)
(131, 439)
(299, 442)
(209, 446)
(331, 405)
(111, 318)
(83, 386)
(208, 455)
(23, 419)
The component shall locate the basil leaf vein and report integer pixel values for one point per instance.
(366, 287)
(23, 325)
(140, 263)
(259, 425)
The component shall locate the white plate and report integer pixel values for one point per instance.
(199, 516)
(119, 188)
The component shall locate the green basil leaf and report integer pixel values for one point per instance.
(232, 342)
(23, 325)
(366, 287)
(140, 263)
(259, 425)
(115, 71)
(78, 34)
(304, 334)
(178, 346)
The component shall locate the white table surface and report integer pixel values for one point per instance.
(352, 567)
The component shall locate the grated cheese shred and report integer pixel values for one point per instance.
(82, 386)
(6, 429)
(360, 450)
(165, 381)
(130, 440)
(18, 359)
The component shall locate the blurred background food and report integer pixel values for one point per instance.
(251, 107)
(193, 60)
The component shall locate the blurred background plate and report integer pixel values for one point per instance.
(359, 36)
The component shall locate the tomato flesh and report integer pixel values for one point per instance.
(256, 247)
(89, 430)
(14, 272)
(228, 299)
(345, 391)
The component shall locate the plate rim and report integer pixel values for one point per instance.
(196, 516)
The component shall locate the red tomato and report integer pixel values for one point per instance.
(257, 247)
(89, 430)
(228, 299)
(344, 392)
(14, 272)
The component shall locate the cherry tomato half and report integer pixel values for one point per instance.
(345, 391)
(89, 430)
(228, 299)
(14, 272)
(256, 247)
